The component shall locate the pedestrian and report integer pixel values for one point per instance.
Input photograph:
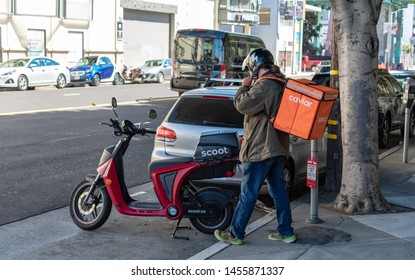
(264, 149)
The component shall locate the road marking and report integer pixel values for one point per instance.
(219, 246)
(71, 94)
(389, 152)
(136, 102)
(137, 193)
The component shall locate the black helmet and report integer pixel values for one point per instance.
(256, 59)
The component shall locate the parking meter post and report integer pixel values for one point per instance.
(314, 219)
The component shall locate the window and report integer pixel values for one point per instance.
(36, 63)
(41, 8)
(49, 62)
(385, 87)
(78, 9)
(207, 111)
(197, 49)
(104, 61)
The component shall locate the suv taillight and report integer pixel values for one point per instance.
(222, 71)
(166, 135)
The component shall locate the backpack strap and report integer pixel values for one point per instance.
(282, 82)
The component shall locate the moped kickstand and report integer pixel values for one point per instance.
(173, 235)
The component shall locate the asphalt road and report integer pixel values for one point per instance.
(53, 140)
(45, 154)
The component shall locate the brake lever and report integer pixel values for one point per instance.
(104, 123)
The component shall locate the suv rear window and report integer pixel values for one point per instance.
(206, 111)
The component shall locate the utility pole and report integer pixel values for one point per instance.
(294, 34)
(216, 15)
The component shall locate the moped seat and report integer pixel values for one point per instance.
(168, 162)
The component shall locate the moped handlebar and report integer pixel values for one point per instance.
(126, 127)
(150, 131)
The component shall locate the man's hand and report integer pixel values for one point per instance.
(247, 81)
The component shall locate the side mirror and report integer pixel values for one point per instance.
(114, 102)
(152, 114)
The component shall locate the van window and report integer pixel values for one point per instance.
(200, 54)
(198, 50)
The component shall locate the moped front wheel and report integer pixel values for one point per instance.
(221, 220)
(91, 214)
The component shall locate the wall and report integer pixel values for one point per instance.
(99, 34)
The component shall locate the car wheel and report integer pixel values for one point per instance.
(22, 82)
(96, 81)
(411, 125)
(384, 132)
(160, 78)
(117, 80)
(61, 81)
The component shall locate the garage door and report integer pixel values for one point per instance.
(146, 36)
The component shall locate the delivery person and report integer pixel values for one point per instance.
(264, 149)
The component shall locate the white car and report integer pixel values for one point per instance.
(157, 70)
(29, 72)
(323, 64)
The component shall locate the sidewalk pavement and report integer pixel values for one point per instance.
(389, 236)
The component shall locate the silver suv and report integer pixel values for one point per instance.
(211, 109)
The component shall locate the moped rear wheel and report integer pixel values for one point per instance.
(220, 221)
(91, 215)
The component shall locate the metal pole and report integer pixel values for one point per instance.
(216, 14)
(294, 25)
(314, 219)
(406, 135)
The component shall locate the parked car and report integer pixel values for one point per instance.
(157, 70)
(391, 108)
(404, 76)
(94, 70)
(211, 109)
(29, 72)
(324, 69)
(322, 66)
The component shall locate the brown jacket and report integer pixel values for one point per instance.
(261, 140)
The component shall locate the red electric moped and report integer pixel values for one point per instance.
(208, 207)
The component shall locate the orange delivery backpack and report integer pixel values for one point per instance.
(304, 107)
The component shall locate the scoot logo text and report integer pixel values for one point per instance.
(300, 101)
(215, 152)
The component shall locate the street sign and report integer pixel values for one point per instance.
(312, 172)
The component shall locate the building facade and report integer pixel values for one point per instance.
(128, 31)
(132, 31)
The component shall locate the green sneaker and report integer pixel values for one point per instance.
(286, 239)
(227, 237)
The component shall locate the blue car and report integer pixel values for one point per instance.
(93, 70)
